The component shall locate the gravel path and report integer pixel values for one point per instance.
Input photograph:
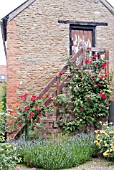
(95, 164)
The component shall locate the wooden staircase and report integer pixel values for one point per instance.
(56, 85)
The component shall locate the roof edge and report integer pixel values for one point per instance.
(108, 6)
(24, 5)
(18, 10)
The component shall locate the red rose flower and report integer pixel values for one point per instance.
(37, 107)
(18, 118)
(101, 93)
(103, 65)
(102, 77)
(31, 115)
(99, 84)
(47, 96)
(88, 98)
(61, 73)
(103, 96)
(33, 98)
(94, 82)
(87, 62)
(54, 103)
(81, 109)
(20, 125)
(40, 114)
(72, 89)
(24, 96)
(25, 108)
(95, 55)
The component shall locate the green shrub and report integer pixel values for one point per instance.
(3, 97)
(3, 127)
(104, 140)
(3, 114)
(8, 157)
(57, 154)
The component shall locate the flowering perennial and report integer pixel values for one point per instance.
(104, 140)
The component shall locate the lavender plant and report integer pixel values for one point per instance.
(57, 154)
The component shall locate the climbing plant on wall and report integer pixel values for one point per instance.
(88, 100)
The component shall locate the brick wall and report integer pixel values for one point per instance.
(2, 69)
(2, 72)
(38, 44)
(12, 67)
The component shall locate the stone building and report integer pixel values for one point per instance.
(40, 34)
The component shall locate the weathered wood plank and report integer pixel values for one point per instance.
(101, 50)
(76, 55)
(107, 65)
(55, 92)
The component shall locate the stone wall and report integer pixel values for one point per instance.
(38, 45)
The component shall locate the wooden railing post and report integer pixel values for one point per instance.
(58, 82)
(83, 55)
(107, 65)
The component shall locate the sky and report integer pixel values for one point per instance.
(6, 6)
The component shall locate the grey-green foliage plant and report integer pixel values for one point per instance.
(8, 157)
(57, 154)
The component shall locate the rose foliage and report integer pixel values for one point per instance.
(32, 109)
(88, 100)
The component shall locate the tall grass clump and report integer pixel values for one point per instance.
(57, 154)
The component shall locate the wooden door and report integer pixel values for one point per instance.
(80, 38)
